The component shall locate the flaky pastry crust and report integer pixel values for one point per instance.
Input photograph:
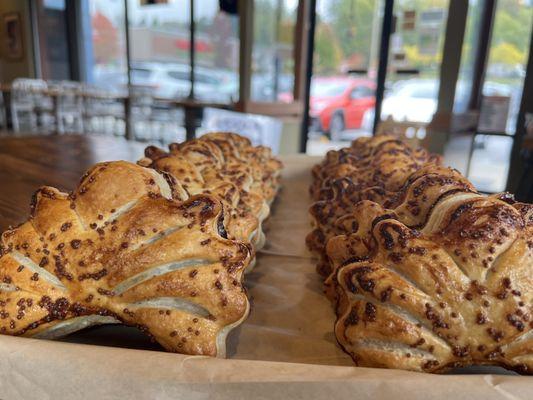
(424, 272)
(121, 249)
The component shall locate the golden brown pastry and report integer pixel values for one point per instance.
(382, 161)
(120, 249)
(425, 273)
(243, 177)
(459, 292)
(243, 209)
(263, 166)
(372, 169)
(349, 236)
(220, 156)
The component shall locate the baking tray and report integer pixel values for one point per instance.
(285, 349)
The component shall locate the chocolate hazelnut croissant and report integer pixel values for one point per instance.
(262, 165)
(382, 161)
(384, 175)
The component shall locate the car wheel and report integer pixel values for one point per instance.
(336, 126)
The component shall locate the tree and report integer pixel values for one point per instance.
(512, 27)
(328, 53)
(351, 21)
(507, 53)
(264, 32)
(418, 60)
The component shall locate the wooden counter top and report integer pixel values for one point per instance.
(26, 163)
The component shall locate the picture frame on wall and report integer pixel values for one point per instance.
(12, 36)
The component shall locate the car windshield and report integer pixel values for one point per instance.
(180, 75)
(140, 73)
(327, 89)
(202, 78)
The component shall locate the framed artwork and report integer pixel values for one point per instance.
(12, 29)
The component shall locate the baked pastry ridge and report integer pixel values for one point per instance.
(457, 293)
(120, 249)
(425, 273)
(245, 178)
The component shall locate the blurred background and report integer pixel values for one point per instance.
(298, 75)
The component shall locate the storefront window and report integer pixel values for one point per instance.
(159, 47)
(509, 50)
(217, 51)
(342, 101)
(108, 66)
(53, 45)
(501, 94)
(463, 87)
(414, 63)
(273, 50)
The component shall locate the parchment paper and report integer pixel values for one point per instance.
(285, 349)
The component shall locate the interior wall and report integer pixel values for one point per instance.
(24, 67)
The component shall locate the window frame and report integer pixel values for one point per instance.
(296, 108)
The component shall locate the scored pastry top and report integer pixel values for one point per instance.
(379, 173)
(460, 292)
(243, 209)
(120, 249)
(382, 161)
(243, 177)
(424, 272)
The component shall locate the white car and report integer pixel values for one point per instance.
(172, 80)
(416, 99)
(413, 100)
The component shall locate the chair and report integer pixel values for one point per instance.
(141, 102)
(3, 114)
(69, 106)
(154, 121)
(32, 107)
(167, 123)
(103, 111)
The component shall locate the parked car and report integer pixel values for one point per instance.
(110, 78)
(172, 80)
(339, 103)
(412, 100)
(416, 99)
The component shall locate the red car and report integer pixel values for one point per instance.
(339, 103)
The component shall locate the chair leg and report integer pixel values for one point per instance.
(32, 121)
(79, 118)
(15, 118)
(60, 124)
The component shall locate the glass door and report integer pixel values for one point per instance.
(342, 96)
(106, 55)
(501, 94)
(412, 84)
